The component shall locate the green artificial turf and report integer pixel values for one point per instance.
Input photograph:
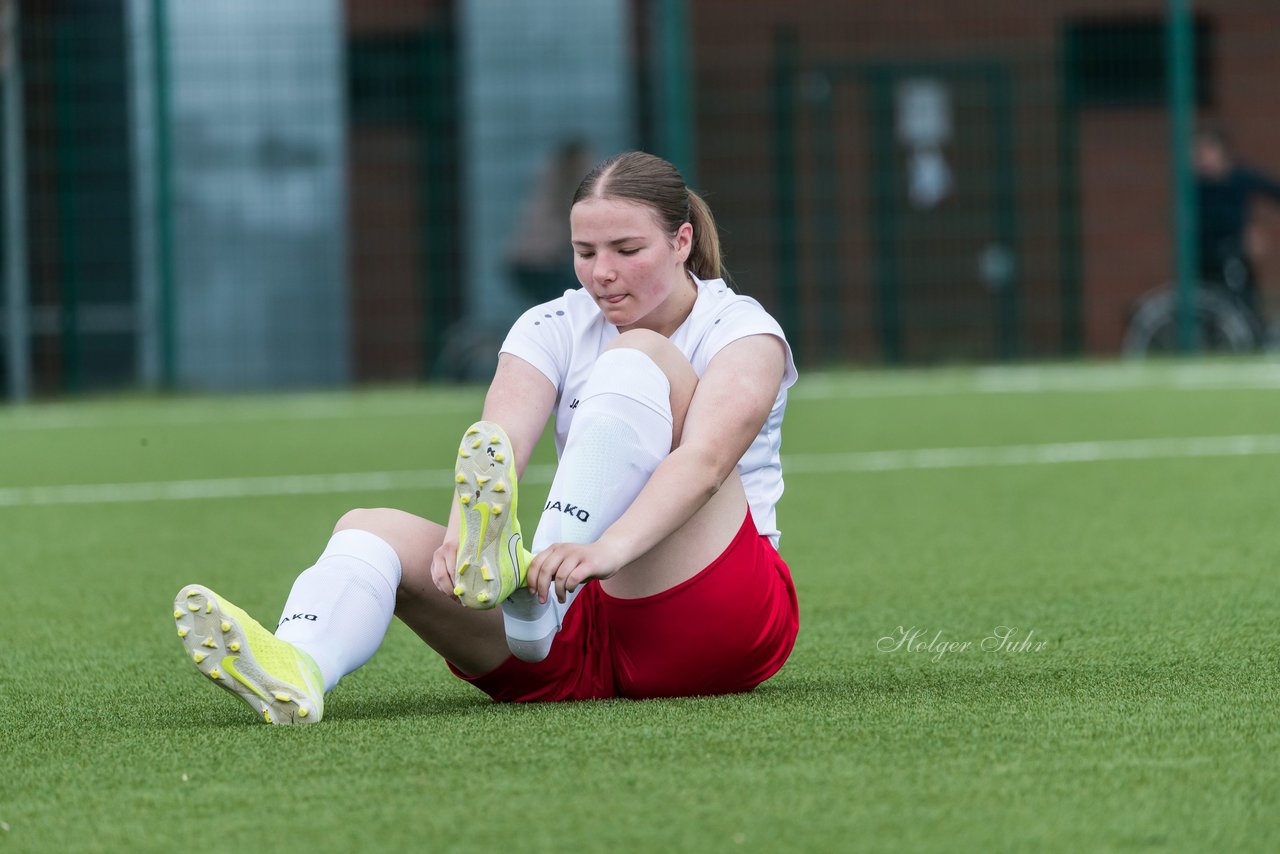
(1141, 714)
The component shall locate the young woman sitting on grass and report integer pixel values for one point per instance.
(654, 569)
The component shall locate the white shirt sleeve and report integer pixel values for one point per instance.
(740, 318)
(542, 339)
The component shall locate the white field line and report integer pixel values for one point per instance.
(816, 385)
(1031, 455)
(1042, 379)
(300, 407)
(792, 464)
(240, 487)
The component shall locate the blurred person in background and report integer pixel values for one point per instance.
(1229, 242)
(539, 258)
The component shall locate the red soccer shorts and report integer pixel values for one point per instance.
(724, 631)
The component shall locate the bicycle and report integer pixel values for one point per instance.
(1224, 320)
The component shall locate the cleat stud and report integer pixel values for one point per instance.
(498, 457)
(182, 631)
(226, 627)
(303, 712)
(463, 453)
(482, 597)
(282, 697)
(464, 566)
(460, 478)
(234, 647)
(191, 593)
(459, 590)
(177, 613)
(465, 499)
(197, 657)
(193, 607)
(495, 509)
(499, 487)
(494, 439)
(215, 674)
(472, 431)
(481, 480)
(477, 443)
(208, 642)
(208, 608)
(266, 715)
(485, 572)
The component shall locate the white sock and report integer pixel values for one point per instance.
(621, 432)
(339, 609)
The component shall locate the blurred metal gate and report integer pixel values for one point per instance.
(931, 146)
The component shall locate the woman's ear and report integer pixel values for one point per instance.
(684, 241)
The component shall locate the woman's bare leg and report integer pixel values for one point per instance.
(472, 640)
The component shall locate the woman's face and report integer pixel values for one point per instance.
(629, 265)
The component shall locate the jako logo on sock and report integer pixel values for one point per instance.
(571, 509)
(311, 617)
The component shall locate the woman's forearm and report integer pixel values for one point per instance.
(678, 488)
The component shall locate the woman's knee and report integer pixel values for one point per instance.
(645, 340)
(681, 378)
(658, 348)
(375, 520)
(415, 539)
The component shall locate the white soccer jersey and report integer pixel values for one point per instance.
(563, 338)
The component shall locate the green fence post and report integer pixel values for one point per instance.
(436, 115)
(14, 241)
(1068, 120)
(826, 193)
(785, 59)
(673, 113)
(1179, 70)
(1006, 213)
(66, 66)
(884, 214)
(164, 195)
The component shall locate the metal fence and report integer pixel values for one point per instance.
(310, 192)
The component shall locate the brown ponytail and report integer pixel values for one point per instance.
(705, 260)
(649, 180)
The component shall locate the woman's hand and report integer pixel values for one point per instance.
(567, 565)
(442, 565)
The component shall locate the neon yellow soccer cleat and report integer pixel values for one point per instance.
(491, 558)
(280, 682)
